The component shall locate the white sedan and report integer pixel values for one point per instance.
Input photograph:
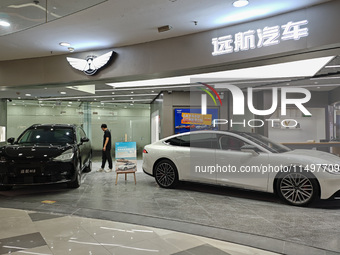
(244, 160)
(127, 166)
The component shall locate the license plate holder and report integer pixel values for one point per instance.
(26, 171)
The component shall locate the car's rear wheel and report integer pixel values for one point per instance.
(299, 189)
(77, 181)
(166, 174)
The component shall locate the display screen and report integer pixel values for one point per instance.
(191, 120)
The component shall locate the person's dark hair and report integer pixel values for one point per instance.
(103, 126)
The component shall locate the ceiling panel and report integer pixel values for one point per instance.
(116, 23)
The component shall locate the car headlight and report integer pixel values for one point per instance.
(65, 156)
(332, 169)
(3, 159)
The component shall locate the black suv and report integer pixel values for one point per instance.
(46, 153)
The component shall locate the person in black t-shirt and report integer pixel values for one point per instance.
(106, 151)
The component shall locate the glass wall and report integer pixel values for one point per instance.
(127, 122)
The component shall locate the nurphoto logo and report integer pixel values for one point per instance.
(238, 105)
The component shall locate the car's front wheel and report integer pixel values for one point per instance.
(88, 167)
(166, 174)
(297, 189)
(77, 181)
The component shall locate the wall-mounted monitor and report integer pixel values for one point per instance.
(191, 120)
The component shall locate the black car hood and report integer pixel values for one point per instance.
(33, 151)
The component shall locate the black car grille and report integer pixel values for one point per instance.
(36, 172)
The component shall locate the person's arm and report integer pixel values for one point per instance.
(106, 141)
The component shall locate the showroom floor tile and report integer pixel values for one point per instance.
(50, 233)
(247, 218)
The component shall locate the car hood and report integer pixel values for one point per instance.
(321, 155)
(33, 151)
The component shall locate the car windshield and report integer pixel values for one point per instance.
(266, 143)
(47, 135)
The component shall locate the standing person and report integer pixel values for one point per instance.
(106, 151)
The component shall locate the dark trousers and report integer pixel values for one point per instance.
(106, 155)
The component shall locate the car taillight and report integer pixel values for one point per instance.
(145, 151)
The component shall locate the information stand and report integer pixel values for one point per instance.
(126, 159)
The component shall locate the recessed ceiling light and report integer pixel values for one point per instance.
(65, 44)
(28, 95)
(240, 3)
(63, 93)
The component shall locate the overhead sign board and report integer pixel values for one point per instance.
(261, 37)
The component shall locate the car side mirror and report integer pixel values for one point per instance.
(250, 148)
(11, 140)
(84, 139)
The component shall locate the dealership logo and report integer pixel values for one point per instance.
(91, 64)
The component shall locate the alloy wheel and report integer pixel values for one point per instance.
(296, 188)
(165, 174)
(77, 182)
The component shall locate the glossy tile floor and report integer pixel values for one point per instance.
(242, 217)
(27, 232)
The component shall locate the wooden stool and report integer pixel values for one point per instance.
(126, 172)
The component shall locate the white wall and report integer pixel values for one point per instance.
(311, 128)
